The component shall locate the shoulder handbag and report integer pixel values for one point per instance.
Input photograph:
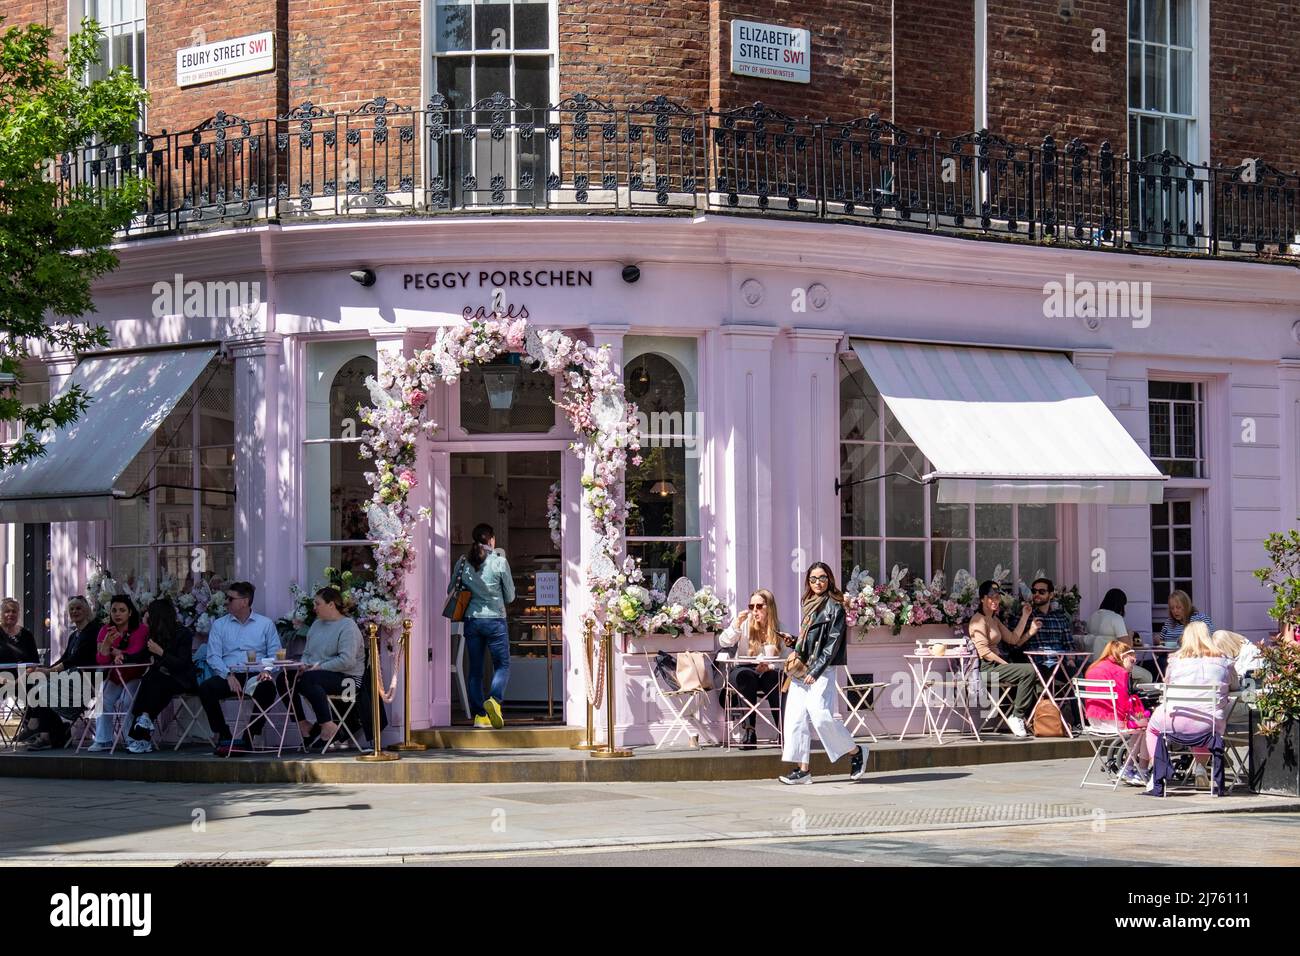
(458, 600)
(693, 671)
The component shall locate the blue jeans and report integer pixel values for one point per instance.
(486, 633)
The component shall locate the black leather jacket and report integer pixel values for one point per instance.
(824, 644)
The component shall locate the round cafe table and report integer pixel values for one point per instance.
(285, 676)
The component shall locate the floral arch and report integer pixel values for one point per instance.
(591, 396)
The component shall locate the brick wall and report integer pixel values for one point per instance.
(934, 71)
(1254, 86)
(625, 53)
(51, 13)
(1045, 78)
(343, 53)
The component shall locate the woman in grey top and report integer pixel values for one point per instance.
(333, 653)
(485, 573)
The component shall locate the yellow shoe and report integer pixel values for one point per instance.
(482, 723)
(493, 708)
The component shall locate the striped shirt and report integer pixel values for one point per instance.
(1172, 633)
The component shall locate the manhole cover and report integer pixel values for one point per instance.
(224, 863)
(944, 816)
(551, 797)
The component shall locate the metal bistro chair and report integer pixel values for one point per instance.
(185, 711)
(1199, 701)
(860, 699)
(341, 706)
(1110, 741)
(684, 706)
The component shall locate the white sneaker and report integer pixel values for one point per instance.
(1017, 726)
(99, 746)
(139, 746)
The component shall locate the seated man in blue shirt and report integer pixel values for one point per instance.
(230, 640)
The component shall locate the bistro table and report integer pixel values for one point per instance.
(727, 666)
(1159, 654)
(128, 675)
(1068, 665)
(285, 676)
(9, 709)
(926, 680)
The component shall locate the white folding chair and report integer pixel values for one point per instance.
(185, 711)
(457, 667)
(1109, 739)
(860, 701)
(341, 706)
(683, 705)
(1198, 701)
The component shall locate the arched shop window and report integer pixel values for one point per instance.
(893, 521)
(663, 492)
(181, 516)
(335, 490)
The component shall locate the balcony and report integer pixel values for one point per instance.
(583, 156)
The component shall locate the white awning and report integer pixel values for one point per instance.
(1009, 426)
(130, 396)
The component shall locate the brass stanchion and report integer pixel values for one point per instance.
(407, 743)
(375, 732)
(587, 743)
(607, 650)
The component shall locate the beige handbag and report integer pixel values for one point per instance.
(693, 671)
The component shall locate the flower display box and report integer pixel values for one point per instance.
(908, 635)
(1275, 761)
(653, 643)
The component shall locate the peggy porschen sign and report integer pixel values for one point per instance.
(541, 278)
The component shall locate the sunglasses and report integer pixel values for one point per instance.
(818, 577)
(1041, 591)
(757, 607)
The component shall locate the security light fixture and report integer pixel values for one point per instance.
(364, 277)
(631, 273)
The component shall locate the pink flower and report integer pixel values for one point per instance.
(417, 399)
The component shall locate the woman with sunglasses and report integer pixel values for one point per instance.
(756, 632)
(810, 706)
(987, 633)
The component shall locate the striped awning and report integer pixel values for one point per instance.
(1009, 426)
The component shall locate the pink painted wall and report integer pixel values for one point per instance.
(768, 380)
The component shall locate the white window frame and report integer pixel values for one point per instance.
(927, 542)
(685, 436)
(1198, 96)
(307, 543)
(551, 51)
(1197, 402)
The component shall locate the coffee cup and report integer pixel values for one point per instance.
(770, 650)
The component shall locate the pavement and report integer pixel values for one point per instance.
(1035, 807)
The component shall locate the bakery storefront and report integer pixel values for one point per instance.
(790, 411)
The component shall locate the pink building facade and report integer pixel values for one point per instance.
(746, 328)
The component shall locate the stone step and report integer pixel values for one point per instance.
(525, 765)
(508, 738)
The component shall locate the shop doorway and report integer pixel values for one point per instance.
(510, 491)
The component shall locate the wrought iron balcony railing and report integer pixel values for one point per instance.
(583, 155)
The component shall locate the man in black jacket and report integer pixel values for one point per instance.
(45, 727)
